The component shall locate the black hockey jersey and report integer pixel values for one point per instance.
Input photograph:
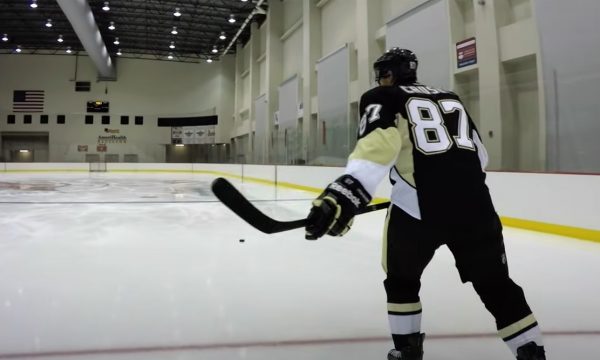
(426, 141)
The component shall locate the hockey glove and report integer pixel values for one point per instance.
(334, 210)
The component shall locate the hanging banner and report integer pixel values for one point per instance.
(193, 134)
(211, 131)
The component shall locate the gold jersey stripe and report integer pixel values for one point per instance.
(380, 146)
(405, 308)
(516, 327)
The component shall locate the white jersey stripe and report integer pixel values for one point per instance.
(368, 173)
(481, 152)
(405, 196)
(405, 324)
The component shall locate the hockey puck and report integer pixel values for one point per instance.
(242, 240)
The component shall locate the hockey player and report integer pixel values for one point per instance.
(425, 140)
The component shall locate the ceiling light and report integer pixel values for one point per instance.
(111, 26)
(49, 23)
(215, 50)
(60, 39)
(177, 13)
(106, 7)
(5, 38)
(222, 36)
(170, 57)
(116, 42)
(33, 4)
(244, 0)
(68, 50)
(23, 151)
(174, 31)
(231, 18)
(18, 49)
(172, 46)
(179, 145)
(119, 53)
(209, 60)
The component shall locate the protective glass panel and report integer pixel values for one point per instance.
(334, 135)
(571, 68)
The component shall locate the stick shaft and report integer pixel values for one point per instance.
(242, 207)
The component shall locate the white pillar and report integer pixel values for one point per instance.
(489, 80)
(274, 24)
(254, 48)
(368, 15)
(311, 46)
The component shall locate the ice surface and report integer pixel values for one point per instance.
(149, 266)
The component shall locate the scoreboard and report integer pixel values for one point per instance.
(97, 106)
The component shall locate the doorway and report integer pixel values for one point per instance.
(24, 146)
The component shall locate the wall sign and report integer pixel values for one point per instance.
(466, 52)
(97, 106)
(105, 139)
(193, 134)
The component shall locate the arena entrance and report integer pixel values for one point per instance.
(24, 146)
(197, 153)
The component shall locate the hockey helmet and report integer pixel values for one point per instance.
(402, 63)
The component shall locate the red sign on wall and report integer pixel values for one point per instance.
(101, 148)
(466, 52)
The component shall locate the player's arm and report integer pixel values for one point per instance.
(379, 140)
(375, 152)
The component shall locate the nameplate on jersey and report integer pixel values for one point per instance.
(420, 89)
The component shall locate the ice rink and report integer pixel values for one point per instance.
(150, 266)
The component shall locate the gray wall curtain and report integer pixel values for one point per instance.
(425, 30)
(286, 144)
(333, 79)
(260, 130)
(288, 103)
(570, 48)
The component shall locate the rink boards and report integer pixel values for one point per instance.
(562, 204)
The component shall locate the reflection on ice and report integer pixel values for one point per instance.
(123, 188)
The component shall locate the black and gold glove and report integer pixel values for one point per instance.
(334, 210)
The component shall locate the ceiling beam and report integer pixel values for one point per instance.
(257, 10)
(81, 18)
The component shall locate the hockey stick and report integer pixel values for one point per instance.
(238, 203)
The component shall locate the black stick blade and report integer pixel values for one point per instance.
(238, 203)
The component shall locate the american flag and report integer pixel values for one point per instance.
(28, 101)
